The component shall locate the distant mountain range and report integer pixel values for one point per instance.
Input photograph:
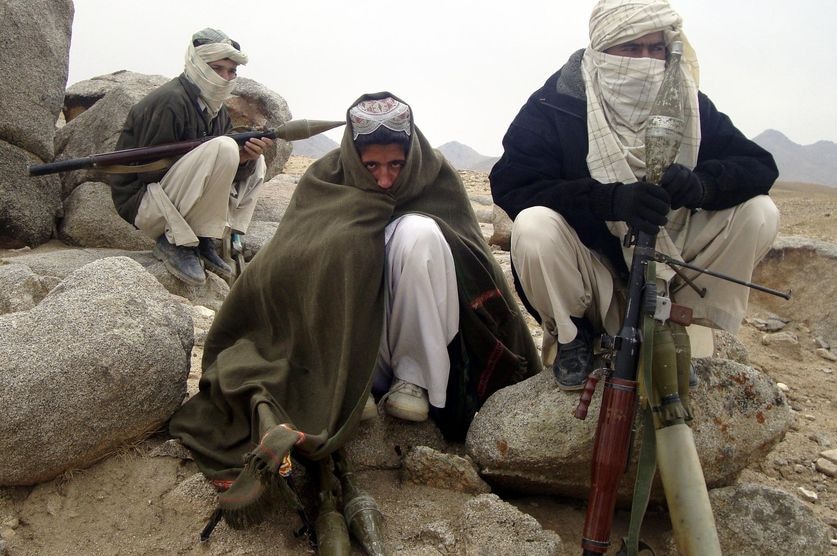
(816, 163)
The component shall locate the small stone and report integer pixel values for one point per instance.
(826, 467)
(3, 547)
(830, 455)
(780, 338)
(826, 354)
(821, 342)
(810, 417)
(11, 523)
(799, 468)
(808, 495)
(783, 387)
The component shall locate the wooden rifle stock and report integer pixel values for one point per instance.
(289, 131)
(619, 401)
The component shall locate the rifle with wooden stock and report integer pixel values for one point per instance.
(289, 131)
(649, 365)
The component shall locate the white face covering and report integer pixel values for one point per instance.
(214, 89)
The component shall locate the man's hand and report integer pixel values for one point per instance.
(253, 149)
(641, 205)
(683, 186)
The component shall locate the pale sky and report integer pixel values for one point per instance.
(467, 66)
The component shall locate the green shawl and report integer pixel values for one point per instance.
(297, 338)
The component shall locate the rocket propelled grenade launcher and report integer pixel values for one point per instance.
(293, 130)
(634, 348)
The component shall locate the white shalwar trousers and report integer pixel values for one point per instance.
(562, 277)
(198, 198)
(422, 307)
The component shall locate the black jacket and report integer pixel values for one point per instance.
(544, 164)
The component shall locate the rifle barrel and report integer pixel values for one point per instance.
(293, 130)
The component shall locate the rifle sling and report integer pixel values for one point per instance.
(137, 169)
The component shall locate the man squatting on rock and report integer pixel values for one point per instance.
(214, 186)
(378, 279)
(571, 178)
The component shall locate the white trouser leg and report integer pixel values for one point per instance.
(192, 199)
(730, 242)
(422, 314)
(560, 276)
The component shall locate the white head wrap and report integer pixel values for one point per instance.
(213, 45)
(620, 92)
(368, 115)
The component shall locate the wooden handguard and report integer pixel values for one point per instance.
(610, 457)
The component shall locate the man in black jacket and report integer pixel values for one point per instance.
(571, 178)
(215, 186)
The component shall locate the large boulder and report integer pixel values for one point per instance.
(100, 361)
(36, 50)
(29, 207)
(90, 220)
(526, 439)
(756, 520)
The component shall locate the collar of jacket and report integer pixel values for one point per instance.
(564, 90)
(193, 93)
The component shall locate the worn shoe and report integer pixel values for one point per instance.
(181, 262)
(212, 260)
(407, 401)
(575, 359)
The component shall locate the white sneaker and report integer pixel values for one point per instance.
(407, 401)
(370, 410)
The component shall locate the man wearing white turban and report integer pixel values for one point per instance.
(571, 178)
(211, 188)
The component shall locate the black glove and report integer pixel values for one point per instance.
(642, 205)
(684, 187)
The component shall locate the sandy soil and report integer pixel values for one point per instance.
(136, 503)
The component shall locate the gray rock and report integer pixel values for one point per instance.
(728, 346)
(502, 229)
(29, 207)
(34, 65)
(257, 236)
(90, 220)
(525, 437)
(100, 362)
(84, 94)
(252, 105)
(492, 527)
(755, 520)
(381, 443)
(64, 262)
(274, 198)
(426, 466)
(21, 289)
(789, 265)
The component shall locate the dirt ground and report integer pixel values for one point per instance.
(138, 504)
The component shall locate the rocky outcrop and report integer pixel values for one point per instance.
(755, 520)
(36, 52)
(36, 41)
(100, 361)
(789, 265)
(63, 262)
(525, 438)
(90, 220)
